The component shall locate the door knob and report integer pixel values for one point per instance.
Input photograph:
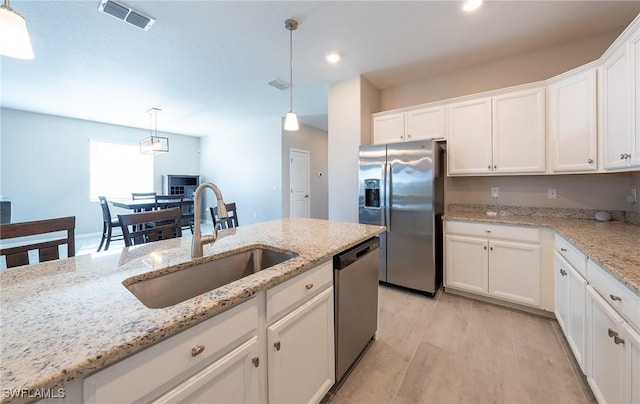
(277, 345)
(306, 196)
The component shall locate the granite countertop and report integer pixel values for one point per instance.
(615, 246)
(67, 319)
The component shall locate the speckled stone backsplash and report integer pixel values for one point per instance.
(617, 215)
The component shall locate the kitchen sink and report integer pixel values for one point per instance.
(175, 287)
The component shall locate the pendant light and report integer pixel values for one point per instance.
(14, 37)
(154, 144)
(291, 121)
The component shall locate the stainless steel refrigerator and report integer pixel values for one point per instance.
(402, 188)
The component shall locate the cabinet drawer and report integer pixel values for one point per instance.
(294, 292)
(493, 231)
(135, 377)
(615, 293)
(574, 256)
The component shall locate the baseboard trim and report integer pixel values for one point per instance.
(498, 302)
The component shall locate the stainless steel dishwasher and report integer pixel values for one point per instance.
(355, 279)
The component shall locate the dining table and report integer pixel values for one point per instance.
(139, 205)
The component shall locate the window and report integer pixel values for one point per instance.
(117, 169)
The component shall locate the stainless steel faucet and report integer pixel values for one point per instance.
(198, 239)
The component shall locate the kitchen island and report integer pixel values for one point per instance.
(68, 319)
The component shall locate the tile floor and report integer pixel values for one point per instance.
(456, 350)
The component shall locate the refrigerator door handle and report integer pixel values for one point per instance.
(387, 194)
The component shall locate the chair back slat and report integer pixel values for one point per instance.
(47, 250)
(142, 195)
(232, 216)
(155, 225)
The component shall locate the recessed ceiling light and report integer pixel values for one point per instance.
(471, 5)
(333, 57)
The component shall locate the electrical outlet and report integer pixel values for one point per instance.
(495, 192)
(552, 193)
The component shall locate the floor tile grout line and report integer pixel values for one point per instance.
(571, 361)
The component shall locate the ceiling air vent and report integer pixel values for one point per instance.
(126, 14)
(279, 84)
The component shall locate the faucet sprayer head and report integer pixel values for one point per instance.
(222, 209)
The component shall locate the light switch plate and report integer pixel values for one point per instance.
(495, 192)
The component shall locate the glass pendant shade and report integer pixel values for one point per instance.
(14, 37)
(291, 122)
(154, 144)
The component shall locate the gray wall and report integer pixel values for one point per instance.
(315, 142)
(44, 168)
(245, 162)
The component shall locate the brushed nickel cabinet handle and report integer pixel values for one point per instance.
(612, 333)
(308, 285)
(614, 297)
(618, 340)
(277, 345)
(256, 361)
(590, 161)
(487, 231)
(563, 249)
(563, 272)
(197, 350)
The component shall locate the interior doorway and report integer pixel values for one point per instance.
(300, 197)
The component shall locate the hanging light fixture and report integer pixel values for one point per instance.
(14, 37)
(154, 144)
(291, 121)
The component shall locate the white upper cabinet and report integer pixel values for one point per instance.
(469, 140)
(416, 124)
(572, 124)
(388, 128)
(620, 101)
(519, 132)
(503, 134)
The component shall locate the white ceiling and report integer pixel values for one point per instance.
(206, 63)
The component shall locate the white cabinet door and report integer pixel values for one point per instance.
(576, 335)
(605, 352)
(467, 265)
(632, 344)
(301, 352)
(572, 124)
(635, 53)
(425, 123)
(519, 132)
(469, 137)
(231, 379)
(514, 272)
(617, 109)
(388, 128)
(561, 277)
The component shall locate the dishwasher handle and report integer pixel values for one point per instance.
(353, 254)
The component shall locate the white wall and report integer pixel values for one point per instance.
(245, 162)
(314, 141)
(351, 103)
(45, 164)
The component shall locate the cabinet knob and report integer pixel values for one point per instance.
(489, 167)
(485, 247)
(491, 248)
(409, 136)
(256, 361)
(277, 345)
(590, 161)
(495, 166)
(618, 340)
(612, 333)
(197, 350)
(308, 285)
(563, 272)
(563, 249)
(487, 231)
(614, 297)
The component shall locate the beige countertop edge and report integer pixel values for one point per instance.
(562, 227)
(208, 304)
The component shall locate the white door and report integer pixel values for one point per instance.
(576, 334)
(301, 352)
(300, 199)
(633, 365)
(514, 272)
(572, 124)
(425, 123)
(466, 264)
(469, 137)
(562, 293)
(519, 132)
(388, 128)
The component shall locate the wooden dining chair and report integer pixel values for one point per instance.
(142, 195)
(232, 216)
(169, 201)
(107, 225)
(154, 225)
(48, 250)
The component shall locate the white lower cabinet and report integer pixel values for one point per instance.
(232, 379)
(570, 303)
(633, 364)
(503, 262)
(301, 352)
(280, 341)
